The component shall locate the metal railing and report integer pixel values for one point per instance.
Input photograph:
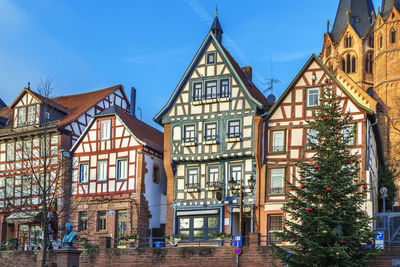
(389, 222)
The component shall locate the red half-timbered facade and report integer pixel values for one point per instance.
(118, 178)
(34, 128)
(288, 133)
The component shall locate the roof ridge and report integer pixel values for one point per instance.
(91, 92)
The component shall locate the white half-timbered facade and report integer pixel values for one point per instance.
(288, 133)
(118, 177)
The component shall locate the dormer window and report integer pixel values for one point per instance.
(31, 114)
(21, 117)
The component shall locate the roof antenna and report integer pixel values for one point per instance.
(269, 83)
(29, 86)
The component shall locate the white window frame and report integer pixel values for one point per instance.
(31, 114)
(345, 132)
(276, 176)
(214, 57)
(223, 93)
(197, 91)
(278, 143)
(102, 170)
(27, 149)
(234, 134)
(193, 180)
(122, 171)
(213, 175)
(105, 130)
(84, 173)
(311, 137)
(186, 131)
(236, 172)
(317, 94)
(211, 92)
(209, 131)
(10, 148)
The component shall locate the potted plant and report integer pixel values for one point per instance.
(131, 238)
(173, 239)
(11, 243)
(123, 239)
(223, 236)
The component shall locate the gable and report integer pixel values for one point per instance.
(26, 99)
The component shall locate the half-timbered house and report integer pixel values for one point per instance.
(119, 183)
(288, 133)
(212, 135)
(35, 135)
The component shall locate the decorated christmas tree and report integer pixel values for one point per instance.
(325, 220)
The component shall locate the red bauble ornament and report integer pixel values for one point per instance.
(326, 81)
(304, 247)
(313, 147)
(316, 167)
(328, 189)
(294, 239)
(341, 242)
(309, 209)
(338, 141)
(293, 207)
(302, 186)
(365, 186)
(325, 118)
(349, 162)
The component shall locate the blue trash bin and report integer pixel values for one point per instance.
(159, 244)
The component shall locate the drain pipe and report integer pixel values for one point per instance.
(60, 205)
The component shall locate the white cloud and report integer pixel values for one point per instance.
(200, 11)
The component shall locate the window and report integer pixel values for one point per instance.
(392, 36)
(276, 183)
(197, 91)
(26, 185)
(211, 131)
(275, 225)
(210, 58)
(195, 228)
(122, 219)
(45, 146)
(10, 152)
(233, 129)
(224, 88)
(156, 175)
(105, 130)
(380, 41)
(21, 116)
(189, 134)
(313, 97)
(369, 62)
(102, 170)
(193, 178)
(122, 169)
(213, 176)
(9, 187)
(27, 149)
(84, 173)
(311, 138)
(347, 41)
(3, 189)
(348, 134)
(101, 220)
(211, 90)
(82, 221)
(236, 173)
(371, 41)
(278, 141)
(353, 64)
(31, 115)
(328, 50)
(348, 64)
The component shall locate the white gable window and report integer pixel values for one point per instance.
(31, 115)
(210, 58)
(278, 144)
(21, 117)
(122, 169)
(313, 97)
(102, 173)
(105, 130)
(84, 173)
(224, 88)
(197, 91)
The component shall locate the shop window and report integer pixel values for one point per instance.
(101, 220)
(198, 228)
(82, 221)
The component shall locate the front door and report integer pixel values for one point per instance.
(23, 235)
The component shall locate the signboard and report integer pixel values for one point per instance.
(237, 241)
(55, 245)
(237, 251)
(380, 240)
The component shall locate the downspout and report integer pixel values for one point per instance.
(60, 204)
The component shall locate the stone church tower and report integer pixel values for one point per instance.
(366, 47)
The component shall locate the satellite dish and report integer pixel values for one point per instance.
(271, 99)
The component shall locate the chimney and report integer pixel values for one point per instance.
(249, 72)
(133, 102)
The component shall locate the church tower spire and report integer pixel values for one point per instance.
(387, 7)
(357, 13)
(216, 28)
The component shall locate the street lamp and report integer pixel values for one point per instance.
(384, 195)
(233, 186)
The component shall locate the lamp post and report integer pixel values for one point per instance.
(240, 193)
(384, 195)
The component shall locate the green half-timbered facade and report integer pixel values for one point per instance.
(213, 134)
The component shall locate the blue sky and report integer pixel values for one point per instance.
(89, 45)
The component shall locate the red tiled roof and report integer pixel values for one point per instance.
(78, 104)
(144, 132)
(253, 90)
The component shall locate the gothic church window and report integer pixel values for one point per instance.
(371, 41)
(328, 50)
(349, 64)
(392, 36)
(369, 62)
(347, 41)
(380, 41)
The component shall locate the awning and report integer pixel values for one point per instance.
(23, 217)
